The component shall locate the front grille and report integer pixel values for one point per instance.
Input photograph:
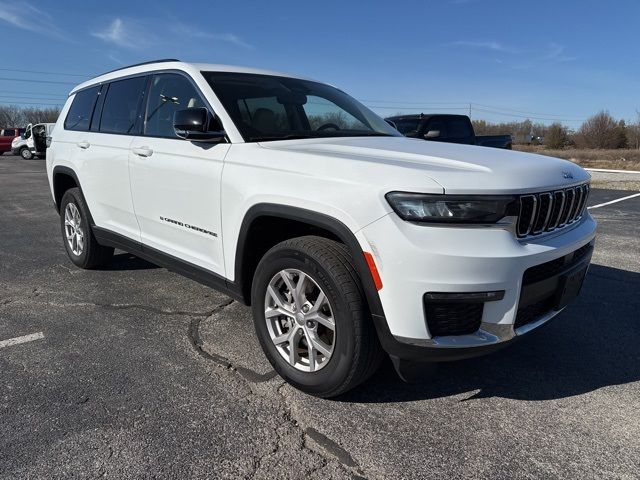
(453, 318)
(547, 211)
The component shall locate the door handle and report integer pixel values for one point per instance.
(142, 151)
(83, 145)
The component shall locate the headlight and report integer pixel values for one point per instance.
(421, 207)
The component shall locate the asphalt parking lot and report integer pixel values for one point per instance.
(137, 372)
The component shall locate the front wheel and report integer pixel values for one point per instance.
(311, 317)
(26, 154)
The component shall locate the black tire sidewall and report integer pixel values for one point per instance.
(30, 155)
(71, 196)
(332, 375)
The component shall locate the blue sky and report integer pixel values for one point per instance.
(512, 59)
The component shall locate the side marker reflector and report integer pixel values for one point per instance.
(374, 270)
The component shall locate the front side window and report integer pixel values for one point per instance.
(169, 92)
(120, 110)
(269, 107)
(9, 133)
(407, 126)
(79, 116)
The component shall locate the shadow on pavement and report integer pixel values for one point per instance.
(593, 344)
(126, 261)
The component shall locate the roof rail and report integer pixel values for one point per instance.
(142, 63)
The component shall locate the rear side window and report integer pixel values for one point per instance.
(169, 92)
(121, 105)
(79, 116)
(458, 127)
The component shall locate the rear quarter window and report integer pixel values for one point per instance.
(459, 128)
(79, 116)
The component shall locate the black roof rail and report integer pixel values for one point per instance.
(162, 60)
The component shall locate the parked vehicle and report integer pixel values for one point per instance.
(447, 128)
(6, 137)
(346, 238)
(33, 142)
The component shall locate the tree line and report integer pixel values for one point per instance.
(601, 131)
(15, 116)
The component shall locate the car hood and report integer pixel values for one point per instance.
(457, 168)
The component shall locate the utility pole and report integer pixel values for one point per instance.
(469, 109)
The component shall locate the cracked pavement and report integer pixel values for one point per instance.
(145, 374)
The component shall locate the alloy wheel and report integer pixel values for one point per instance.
(300, 320)
(73, 229)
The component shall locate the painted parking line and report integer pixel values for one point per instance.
(614, 201)
(24, 339)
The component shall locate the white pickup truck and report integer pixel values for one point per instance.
(347, 239)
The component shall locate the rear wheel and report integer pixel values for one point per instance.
(311, 316)
(81, 245)
(25, 153)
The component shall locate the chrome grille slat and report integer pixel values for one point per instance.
(547, 211)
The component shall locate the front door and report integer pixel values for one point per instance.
(175, 183)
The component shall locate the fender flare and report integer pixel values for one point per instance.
(326, 222)
(60, 169)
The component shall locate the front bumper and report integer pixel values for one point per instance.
(425, 259)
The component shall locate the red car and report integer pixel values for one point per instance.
(6, 137)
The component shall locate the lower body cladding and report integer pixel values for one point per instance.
(451, 293)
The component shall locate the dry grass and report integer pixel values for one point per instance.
(613, 159)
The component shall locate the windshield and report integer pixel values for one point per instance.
(266, 107)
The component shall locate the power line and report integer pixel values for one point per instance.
(44, 73)
(413, 103)
(31, 98)
(398, 107)
(493, 107)
(61, 96)
(31, 103)
(37, 81)
(400, 104)
(529, 116)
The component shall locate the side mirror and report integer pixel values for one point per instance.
(193, 124)
(432, 134)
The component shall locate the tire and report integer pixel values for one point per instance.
(328, 268)
(75, 225)
(26, 154)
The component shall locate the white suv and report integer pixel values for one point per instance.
(347, 238)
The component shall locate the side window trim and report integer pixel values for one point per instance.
(97, 109)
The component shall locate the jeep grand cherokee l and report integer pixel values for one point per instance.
(347, 239)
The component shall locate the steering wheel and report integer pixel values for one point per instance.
(328, 125)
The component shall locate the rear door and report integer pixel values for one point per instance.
(175, 183)
(102, 154)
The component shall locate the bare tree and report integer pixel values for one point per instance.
(557, 136)
(599, 131)
(11, 116)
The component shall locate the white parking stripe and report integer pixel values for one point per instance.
(23, 339)
(614, 201)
